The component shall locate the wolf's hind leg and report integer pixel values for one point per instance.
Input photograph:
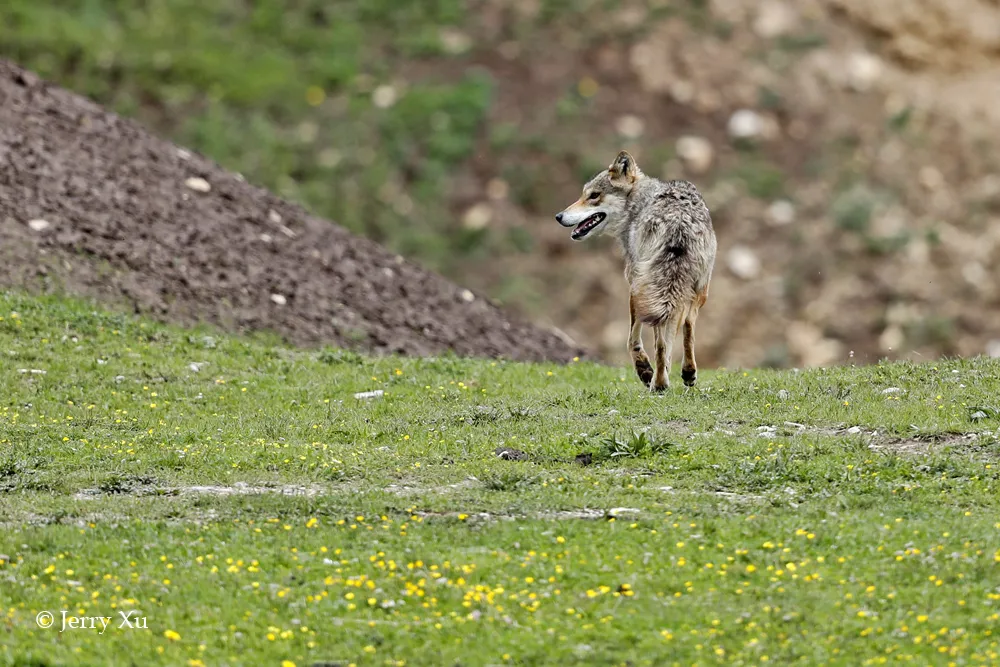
(689, 370)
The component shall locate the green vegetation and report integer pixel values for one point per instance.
(236, 494)
(284, 93)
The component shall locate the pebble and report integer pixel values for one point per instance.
(774, 19)
(619, 511)
(384, 97)
(478, 216)
(198, 184)
(630, 127)
(745, 124)
(279, 299)
(696, 153)
(781, 212)
(863, 70)
(369, 394)
(454, 42)
(39, 225)
(743, 262)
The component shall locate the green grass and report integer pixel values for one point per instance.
(283, 93)
(705, 528)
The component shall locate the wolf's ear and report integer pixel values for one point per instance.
(624, 167)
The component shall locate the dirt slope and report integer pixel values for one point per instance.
(91, 203)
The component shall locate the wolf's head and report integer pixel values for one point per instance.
(603, 200)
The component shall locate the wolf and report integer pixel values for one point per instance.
(665, 232)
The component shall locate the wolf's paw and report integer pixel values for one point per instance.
(657, 388)
(689, 376)
(644, 370)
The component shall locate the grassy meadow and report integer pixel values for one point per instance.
(254, 506)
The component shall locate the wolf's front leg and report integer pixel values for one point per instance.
(664, 346)
(639, 357)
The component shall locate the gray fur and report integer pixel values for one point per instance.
(666, 235)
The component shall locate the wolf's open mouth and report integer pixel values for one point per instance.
(588, 225)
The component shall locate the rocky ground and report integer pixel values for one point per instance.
(93, 204)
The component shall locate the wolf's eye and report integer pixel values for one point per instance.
(593, 196)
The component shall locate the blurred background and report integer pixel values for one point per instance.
(847, 148)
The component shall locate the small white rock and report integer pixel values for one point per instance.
(468, 296)
(745, 124)
(384, 96)
(39, 225)
(696, 153)
(774, 18)
(781, 212)
(266, 238)
(274, 217)
(195, 366)
(630, 127)
(854, 430)
(863, 70)
(891, 390)
(682, 91)
(478, 216)
(198, 184)
(183, 154)
(279, 299)
(743, 263)
(783, 394)
(369, 394)
(454, 41)
(619, 511)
